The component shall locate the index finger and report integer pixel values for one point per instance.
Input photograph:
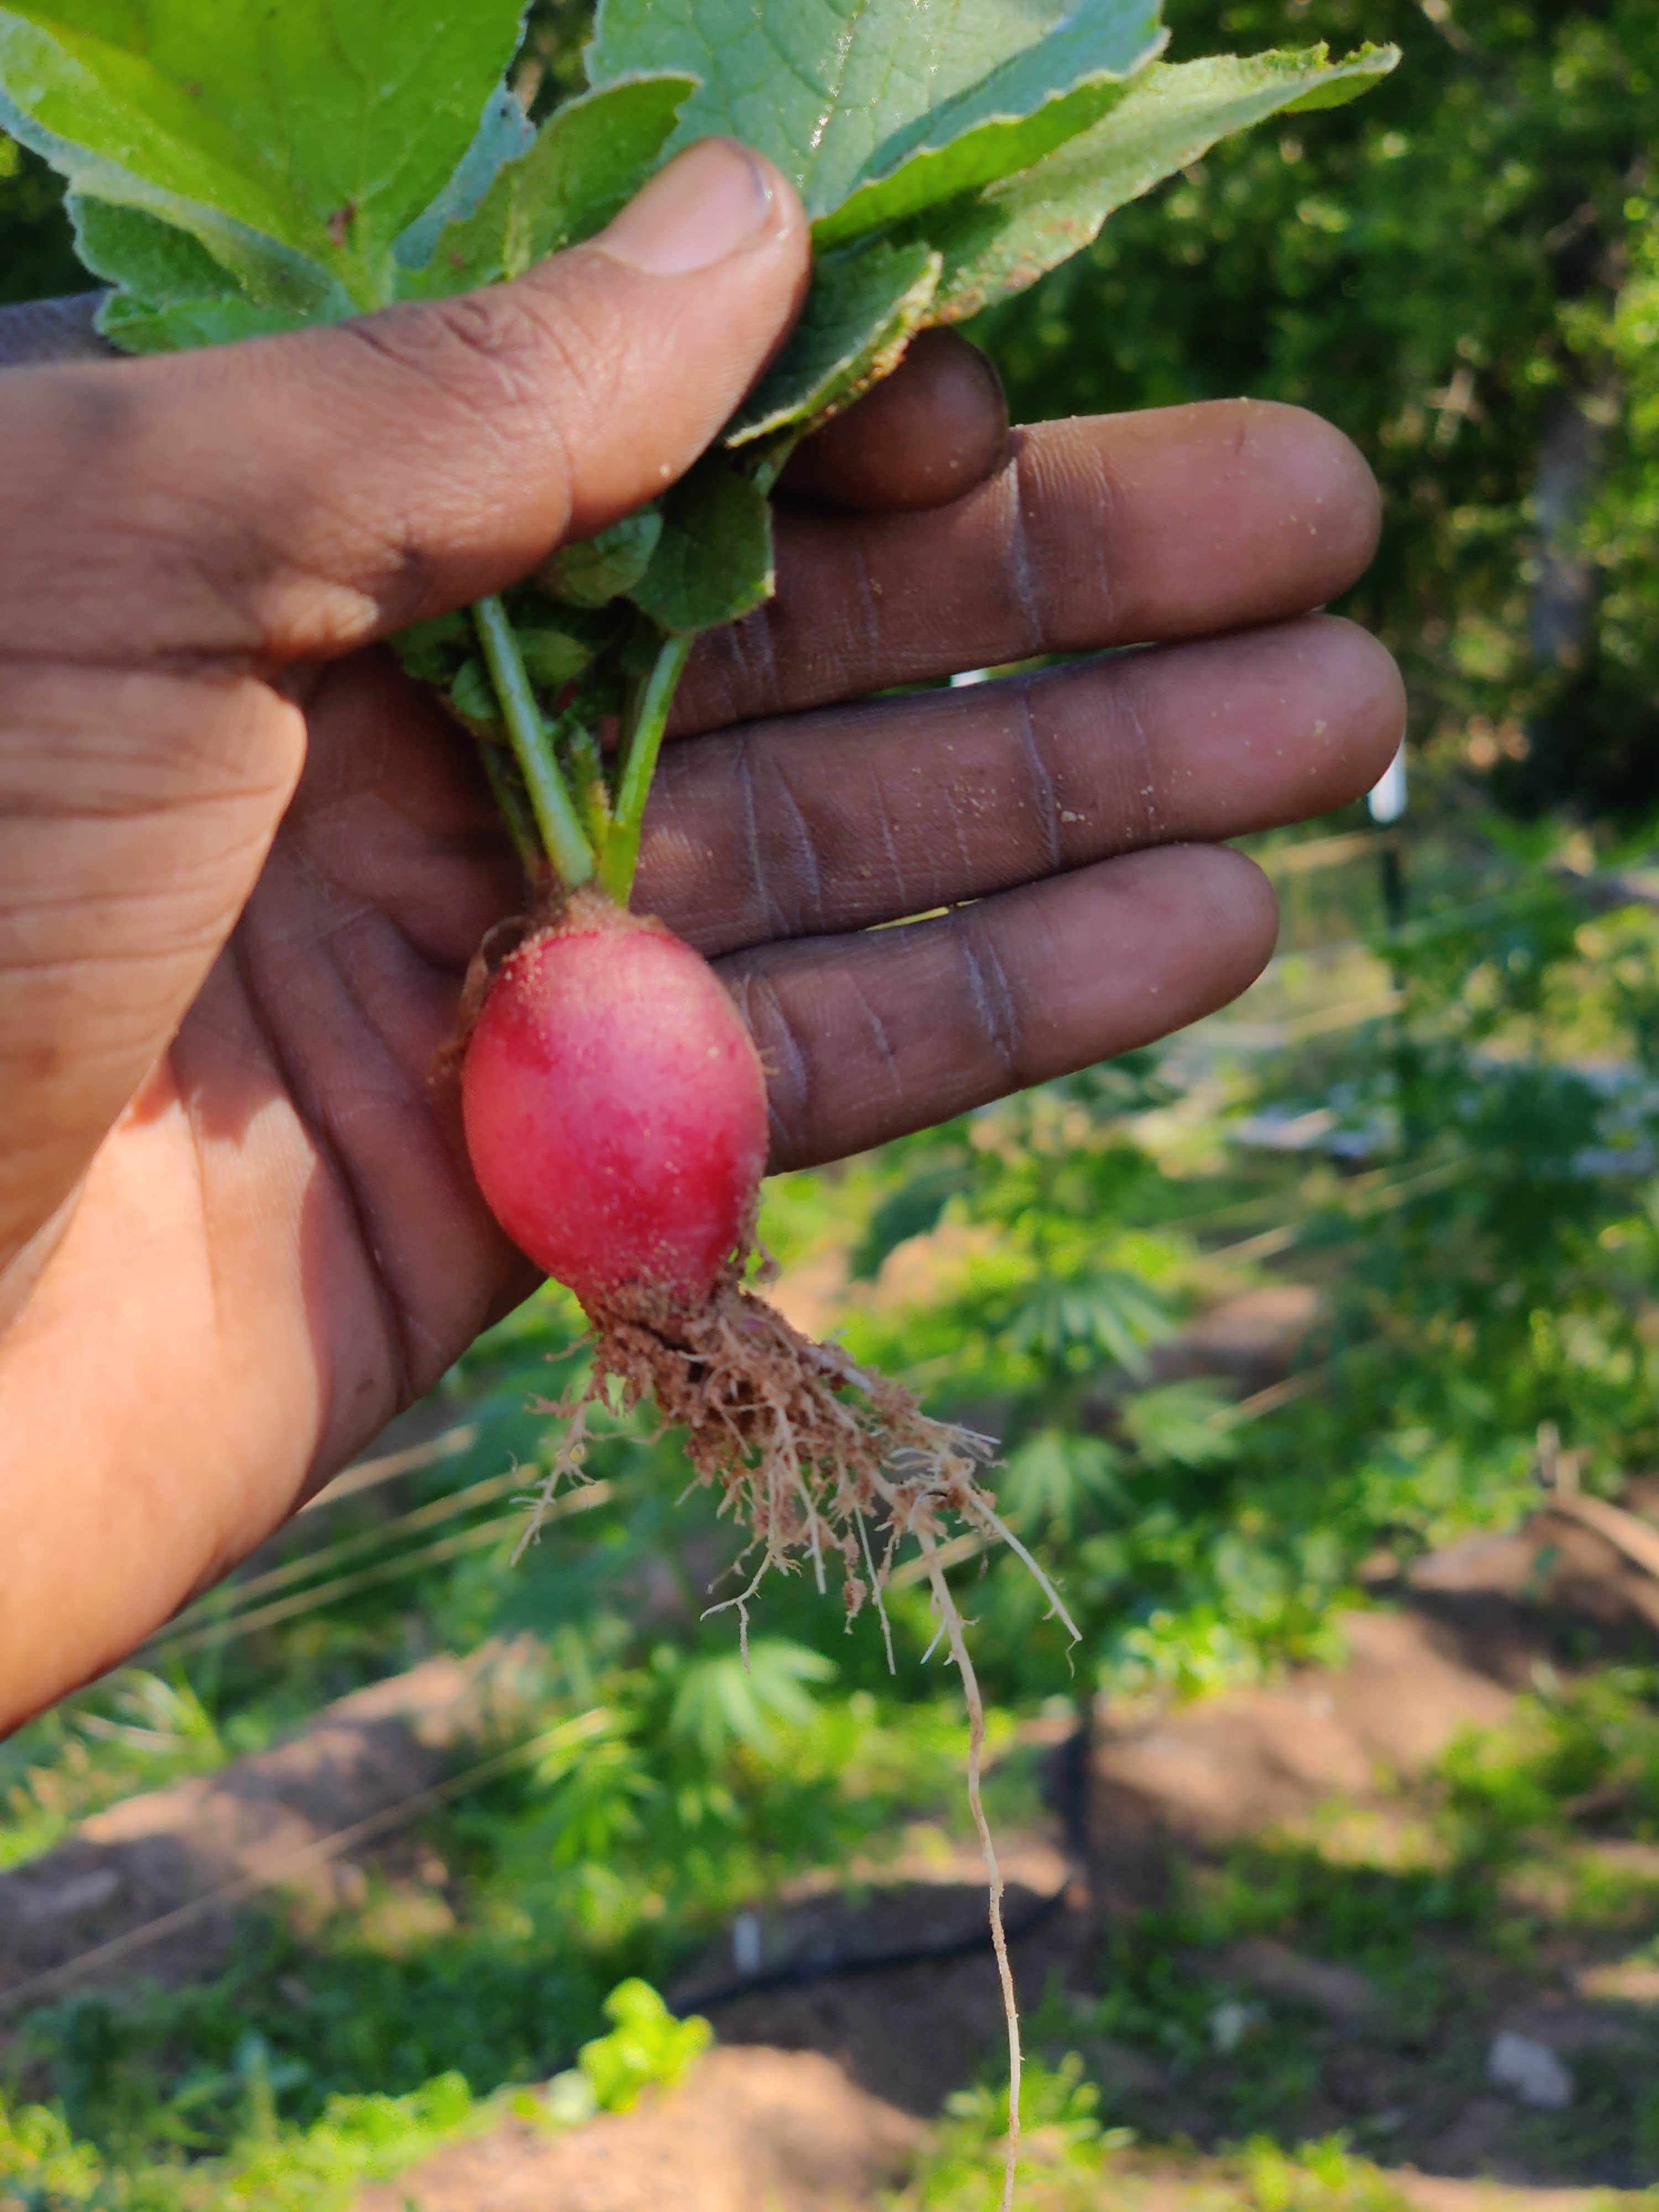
(1107, 530)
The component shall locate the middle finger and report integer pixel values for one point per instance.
(1105, 531)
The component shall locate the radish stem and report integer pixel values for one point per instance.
(519, 827)
(622, 851)
(549, 795)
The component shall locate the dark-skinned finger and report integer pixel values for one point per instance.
(53, 329)
(938, 425)
(866, 1037)
(861, 814)
(1108, 530)
(929, 432)
(292, 497)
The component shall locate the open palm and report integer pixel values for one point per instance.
(242, 1228)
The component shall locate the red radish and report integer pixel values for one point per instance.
(616, 1116)
(615, 1107)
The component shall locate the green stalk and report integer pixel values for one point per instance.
(622, 849)
(532, 746)
(592, 793)
(519, 827)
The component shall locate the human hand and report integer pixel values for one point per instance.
(245, 863)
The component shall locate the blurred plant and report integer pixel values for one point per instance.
(647, 2048)
(1319, 2177)
(1064, 2152)
(153, 1715)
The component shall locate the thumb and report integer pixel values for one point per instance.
(295, 496)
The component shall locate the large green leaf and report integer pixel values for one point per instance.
(835, 92)
(295, 141)
(588, 159)
(1036, 101)
(865, 304)
(505, 133)
(1002, 240)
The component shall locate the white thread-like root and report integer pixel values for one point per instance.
(567, 1466)
(951, 1621)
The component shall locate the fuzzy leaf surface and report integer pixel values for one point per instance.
(838, 92)
(1021, 112)
(865, 304)
(1001, 241)
(584, 164)
(713, 561)
(176, 293)
(295, 142)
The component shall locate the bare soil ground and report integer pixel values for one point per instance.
(173, 1865)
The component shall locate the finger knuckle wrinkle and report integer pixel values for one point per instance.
(991, 997)
(793, 861)
(786, 1058)
(1041, 798)
(487, 354)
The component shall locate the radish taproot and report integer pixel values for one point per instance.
(615, 1111)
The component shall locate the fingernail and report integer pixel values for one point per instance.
(709, 200)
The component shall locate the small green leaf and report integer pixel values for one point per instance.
(598, 569)
(472, 694)
(125, 245)
(177, 295)
(1033, 103)
(433, 652)
(552, 658)
(713, 561)
(865, 304)
(1002, 240)
(588, 161)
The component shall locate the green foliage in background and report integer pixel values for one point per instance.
(268, 2166)
(1460, 274)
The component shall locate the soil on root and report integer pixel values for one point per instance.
(825, 1464)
